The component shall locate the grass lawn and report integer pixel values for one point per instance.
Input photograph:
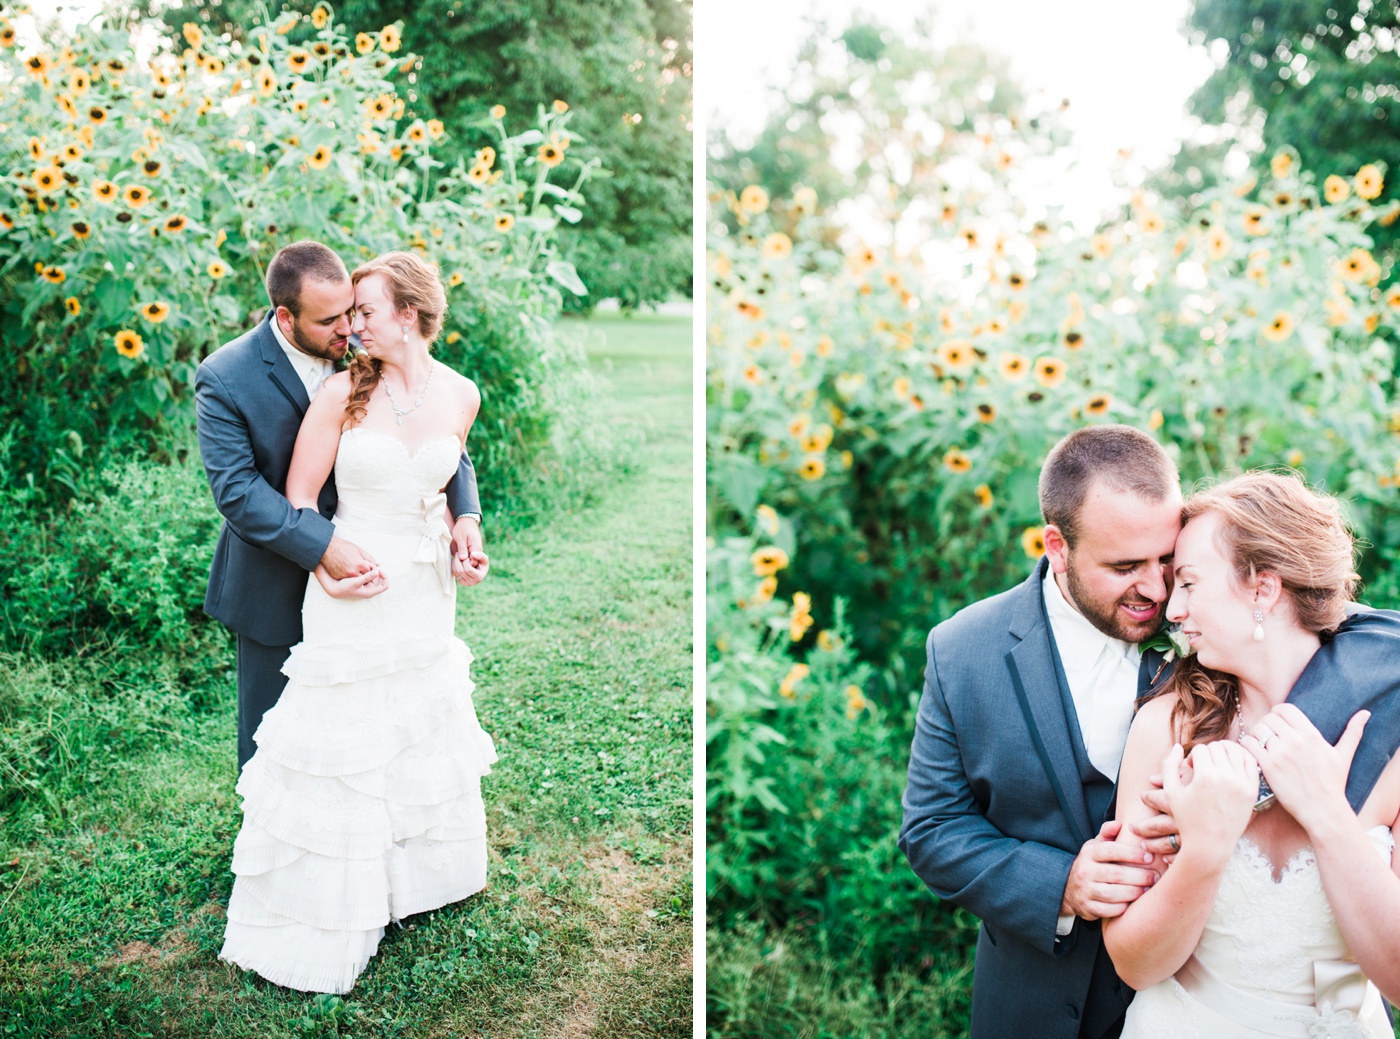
(111, 904)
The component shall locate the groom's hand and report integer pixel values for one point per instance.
(1157, 832)
(1108, 875)
(469, 560)
(344, 559)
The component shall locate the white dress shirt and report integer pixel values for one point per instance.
(313, 371)
(1103, 682)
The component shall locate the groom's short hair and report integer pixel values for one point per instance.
(293, 264)
(1124, 458)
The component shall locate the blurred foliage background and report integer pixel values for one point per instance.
(895, 339)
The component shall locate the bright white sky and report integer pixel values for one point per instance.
(1125, 66)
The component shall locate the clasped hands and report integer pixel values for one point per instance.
(348, 572)
(1206, 800)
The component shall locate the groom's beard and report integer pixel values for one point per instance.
(1106, 616)
(333, 349)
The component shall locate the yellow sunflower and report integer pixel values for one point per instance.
(504, 222)
(136, 196)
(1369, 181)
(267, 81)
(54, 275)
(498, 111)
(48, 177)
(105, 191)
(813, 467)
(364, 42)
(155, 312)
(320, 158)
(217, 269)
(389, 39)
(753, 199)
(1151, 222)
(1073, 339)
(983, 494)
(417, 133)
(298, 59)
(73, 305)
(129, 344)
(436, 130)
(1049, 372)
(768, 561)
(1218, 243)
(788, 688)
(36, 149)
(550, 154)
(1098, 404)
(955, 460)
(777, 246)
(97, 114)
(986, 413)
(1280, 328)
(1335, 189)
(320, 16)
(6, 221)
(1033, 542)
(1014, 367)
(956, 354)
(81, 230)
(1281, 165)
(175, 223)
(194, 35)
(7, 36)
(151, 167)
(1256, 220)
(560, 106)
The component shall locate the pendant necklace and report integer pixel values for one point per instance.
(403, 413)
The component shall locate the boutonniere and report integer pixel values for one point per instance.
(1171, 643)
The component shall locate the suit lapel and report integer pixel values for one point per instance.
(1032, 667)
(280, 370)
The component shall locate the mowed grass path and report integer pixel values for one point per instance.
(110, 923)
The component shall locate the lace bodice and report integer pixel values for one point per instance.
(1271, 962)
(377, 473)
(1266, 935)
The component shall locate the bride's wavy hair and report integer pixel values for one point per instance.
(1271, 522)
(410, 281)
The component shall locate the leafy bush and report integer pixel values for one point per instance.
(147, 198)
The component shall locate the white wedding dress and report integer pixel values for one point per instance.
(1271, 962)
(362, 804)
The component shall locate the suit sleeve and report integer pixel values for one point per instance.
(1008, 883)
(1359, 669)
(253, 508)
(462, 496)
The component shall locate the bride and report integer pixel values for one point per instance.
(1265, 923)
(362, 804)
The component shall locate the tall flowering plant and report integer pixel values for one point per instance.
(145, 196)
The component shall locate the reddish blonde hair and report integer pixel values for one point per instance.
(1271, 522)
(410, 281)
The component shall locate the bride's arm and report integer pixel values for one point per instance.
(313, 457)
(1157, 934)
(1309, 777)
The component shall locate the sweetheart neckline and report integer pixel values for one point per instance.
(389, 436)
(1296, 861)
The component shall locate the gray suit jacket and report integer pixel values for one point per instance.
(994, 809)
(249, 404)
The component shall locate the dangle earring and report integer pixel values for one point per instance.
(405, 333)
(1258, 624)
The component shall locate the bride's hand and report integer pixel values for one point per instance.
(1308, 774)
(362, 586)
(1211, 794)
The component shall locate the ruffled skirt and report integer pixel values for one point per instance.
(361, 806)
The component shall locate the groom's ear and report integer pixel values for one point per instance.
(1056, 548)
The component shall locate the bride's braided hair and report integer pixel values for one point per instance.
(410, 281)
(1270, 522)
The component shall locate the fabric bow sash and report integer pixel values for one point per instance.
(435, 545)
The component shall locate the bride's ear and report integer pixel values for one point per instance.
(1267, 589)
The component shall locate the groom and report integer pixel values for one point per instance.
(1027, 701)
(250, 396)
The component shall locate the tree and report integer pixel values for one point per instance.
(623, 65)
(1324, 74)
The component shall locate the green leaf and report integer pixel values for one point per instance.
(563, 272)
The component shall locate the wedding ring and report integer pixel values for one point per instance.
(1265, 741)
(1176, 844)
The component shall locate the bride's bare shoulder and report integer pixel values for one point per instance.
(467, 393)
(1154, 718)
